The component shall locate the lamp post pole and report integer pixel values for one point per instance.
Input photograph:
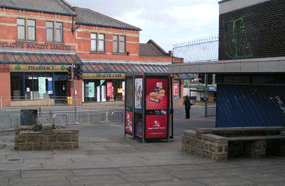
(206, 94)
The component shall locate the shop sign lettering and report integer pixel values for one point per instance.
(108, 75)
(40, 68)
(34, 46)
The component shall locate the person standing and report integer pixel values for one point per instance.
(187, 104)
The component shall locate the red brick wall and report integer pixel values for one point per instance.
(5, 90)
(78, 88)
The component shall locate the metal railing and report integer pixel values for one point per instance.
(12, 121)
(117, 117)
(9, 121)
(59, 114)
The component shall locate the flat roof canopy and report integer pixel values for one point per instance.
(101, 67)
(262, 65)
(39, 58)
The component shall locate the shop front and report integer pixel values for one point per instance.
(105, 81)
(101, 87)
(38, 78)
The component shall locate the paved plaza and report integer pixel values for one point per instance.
(105, 157)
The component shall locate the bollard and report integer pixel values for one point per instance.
(106, 113)
(40, 111)
(75, 115)
(50, 114)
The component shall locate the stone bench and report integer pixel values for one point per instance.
(44, 136)
(220, 143)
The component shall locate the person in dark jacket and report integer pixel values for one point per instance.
(187, 104)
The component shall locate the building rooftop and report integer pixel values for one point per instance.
(149, 50)
(46, 6)
(89, 17)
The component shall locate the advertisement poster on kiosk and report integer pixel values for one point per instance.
(128, 122)
(156, 94)
(138, 93)
(156, 126)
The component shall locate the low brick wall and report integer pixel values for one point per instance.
(217, 143)
(206, 145)
(44, 137)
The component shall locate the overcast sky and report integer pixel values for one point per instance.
(167, 22)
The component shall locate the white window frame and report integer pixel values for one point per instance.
(26, 29)
(98, 42)
(54, 28)
(119, 44)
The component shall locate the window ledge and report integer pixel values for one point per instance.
(25, 41)
(54, 43)
(92, 52)
(124, 54)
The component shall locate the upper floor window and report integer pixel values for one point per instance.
(26, 30)
(119, 44)
(97, 42)
(54, 33)
(122, 44)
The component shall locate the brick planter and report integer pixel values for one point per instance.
(206, 145)
(44, 137)
(218, 143)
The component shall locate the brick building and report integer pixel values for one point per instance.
(40, 39)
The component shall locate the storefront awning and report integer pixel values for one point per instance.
(39, 58)
(99, 67)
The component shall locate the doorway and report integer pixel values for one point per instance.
(60, 92)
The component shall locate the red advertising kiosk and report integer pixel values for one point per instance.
(148, 106)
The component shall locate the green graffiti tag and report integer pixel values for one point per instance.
(236, 44)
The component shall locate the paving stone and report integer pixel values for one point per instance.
(167, 162)
(182, 167)
(117, 145)
(106, 164)
(31, 155)
(95, 139)
(9, 174)
(117, 184)
(99, 152)
(89, 172)
(72, 152)
(12, 161)
(149, 169)
(4, 181)
(20, 166)
(223, 181)
(45, 173)
(176, 182)
(218, 165)
(192, 174)
(95, 179)
(90, 146)
(68, 165)
(39, 181)
(235, 171)
(29, 161)
(264, 178)
(147, 177)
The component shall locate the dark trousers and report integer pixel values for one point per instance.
(187, 113)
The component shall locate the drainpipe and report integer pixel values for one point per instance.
(74, 28)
